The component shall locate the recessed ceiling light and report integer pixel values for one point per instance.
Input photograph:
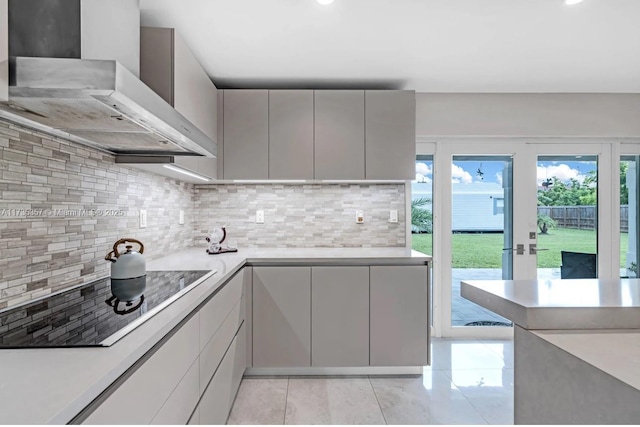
(571, 2)
(324, 2)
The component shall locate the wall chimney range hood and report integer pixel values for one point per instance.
(73, 73)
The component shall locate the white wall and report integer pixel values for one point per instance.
(558, 115)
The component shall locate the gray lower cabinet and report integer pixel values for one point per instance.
(216, 402)
(399, 316)
(200, 366)
(281, 316)
(340, 316)
(141, 397)
(184, 398)
(339, 134)
(290, 134)
(246, 134)
(390, 134)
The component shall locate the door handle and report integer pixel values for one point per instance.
(519, 250)
(534, 250)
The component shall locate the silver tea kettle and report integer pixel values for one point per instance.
(129, 264)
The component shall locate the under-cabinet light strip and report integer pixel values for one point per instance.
(185, 172)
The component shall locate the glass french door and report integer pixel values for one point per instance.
(523, 210)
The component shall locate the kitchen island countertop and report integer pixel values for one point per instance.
(576, 346)
(53, 385)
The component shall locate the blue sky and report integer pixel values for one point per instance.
(467, 171)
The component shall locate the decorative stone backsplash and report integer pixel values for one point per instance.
(63, 206)
(54, 228)
(302, 215)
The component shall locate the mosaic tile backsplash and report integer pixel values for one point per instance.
(64, 205)
(302, 215)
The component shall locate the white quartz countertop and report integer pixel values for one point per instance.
(560, 304)
(615, 352)
(51, 386)
(197, 258)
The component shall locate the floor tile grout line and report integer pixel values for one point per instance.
(474, 407)
(286, 400)
(377, 400)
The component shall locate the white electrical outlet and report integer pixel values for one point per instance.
(360, 217)
(393, 215)
(181, 218)
(260, 217)
(143, 218)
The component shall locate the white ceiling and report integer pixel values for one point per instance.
(425, 45)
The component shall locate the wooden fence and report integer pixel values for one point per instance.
(581, 217)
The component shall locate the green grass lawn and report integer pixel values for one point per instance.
(485, 250)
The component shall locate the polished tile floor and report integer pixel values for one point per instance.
(469, 382)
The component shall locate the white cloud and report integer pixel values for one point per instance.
(423, 169)
(562, 171)
(422, 178)
(460, 175)
(499, 177)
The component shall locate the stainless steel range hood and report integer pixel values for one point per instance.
(96, 102)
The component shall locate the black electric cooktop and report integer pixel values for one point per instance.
(89, 315)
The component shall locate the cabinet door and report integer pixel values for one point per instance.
(399, 316)
(246, 134)
(220, 130)
(140, 397)
(194, 94)
(340, 316)
(4, 50)
(339, 134)
(156, 60)
(290, 134)
(281, 316)
(390, 134)
(248, 324)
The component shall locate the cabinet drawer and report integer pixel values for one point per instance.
(217, 399)
(218, 308)
(178, 408)
(141, 396)
(214, 351)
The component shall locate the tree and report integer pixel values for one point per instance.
(570, 193)
(545, 222)
(624, 190)
(421, 218)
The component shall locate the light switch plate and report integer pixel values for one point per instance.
(143, 218)
(393, 215)
(260, 217)
(181, 218)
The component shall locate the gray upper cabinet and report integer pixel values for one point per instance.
(390, 134)
(281, 316)
(340, 316)
(291, 134)
(246, 134)
(399, 315)
(220, 117)
(339, 134)
(168, 66)
(322, 134)
(4, 50)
